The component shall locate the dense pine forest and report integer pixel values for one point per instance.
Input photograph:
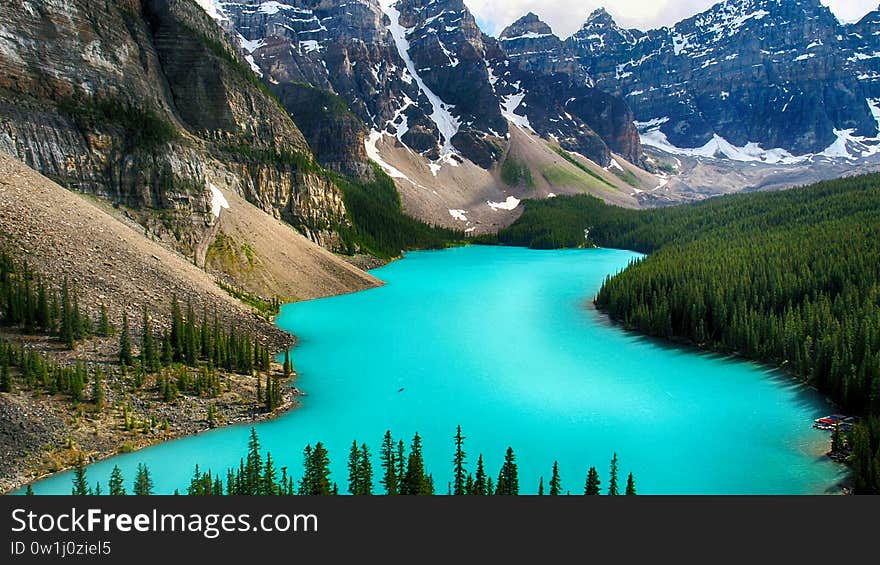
(791, 279)
(400, 473)
(379, 225)
(187, 358)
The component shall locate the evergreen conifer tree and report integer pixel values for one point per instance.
(459, 473)
(592, 485)
(555, 482)
(143, 483)
(80, 483)
(366, 471)
(480, 479)
(630, 485)
(388, 460)
(125, 355)
(117, 486)
(508, 478)
(613, 489)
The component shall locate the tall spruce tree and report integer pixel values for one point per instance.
(416, 481)
(117, 483)
(125, 355)
(149, 352)
(143, 482)
(354, 469)
(541, 486)
(555, 481)
(613, 489)
(104, 328)
(98, 388)
(388, 461)
(508, 477)
(459, 472)
(80, 483)
(366, 471)
(480, 479)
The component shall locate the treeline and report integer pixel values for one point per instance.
(29, 303)
(400, 473)
(379, 225)
(788, 278)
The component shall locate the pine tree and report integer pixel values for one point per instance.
(125, 356)
(97, 389)
(80, 483)
(270, 485)
(366, 471)
(612, 481)
(401, 465)
(354, 469)
(288, 365)
(415, 480)
(66, 329)
(508, 478)
(5, 376)
(149, 353)
(104, 329)
(458, 461)
(176, 333)
(480, 479)
(117, 487)
(555, 482)
(591, 487)
(541, 486)
(253, 465)
(630, 485)
(29, 491)
(321, 467)
(143, 483)
(836, 440)
(388, 460)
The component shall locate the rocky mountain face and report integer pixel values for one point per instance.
(758, 74)
(419, 70)
(558, 96)
(145, 103)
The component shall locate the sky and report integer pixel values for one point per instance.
(566, 16)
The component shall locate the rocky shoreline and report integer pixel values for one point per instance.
(43, 435)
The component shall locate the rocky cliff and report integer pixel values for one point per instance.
(145, 103)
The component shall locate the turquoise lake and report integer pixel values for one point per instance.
(504, 342)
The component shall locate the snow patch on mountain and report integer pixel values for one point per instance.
(213, 8)
(510, 204)
(371, 145)
(446, 122)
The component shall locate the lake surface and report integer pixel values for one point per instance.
(504, 342)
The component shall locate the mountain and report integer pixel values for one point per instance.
(145, 103)
(562, 102)
(422, 91)
(762, 80)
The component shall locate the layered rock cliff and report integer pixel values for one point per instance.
(145, 103)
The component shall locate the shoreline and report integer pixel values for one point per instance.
(290, 401)
(842, 487)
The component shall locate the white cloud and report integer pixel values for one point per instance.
(495, 15)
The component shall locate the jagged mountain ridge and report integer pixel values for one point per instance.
(420, 70)
(758, 74)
